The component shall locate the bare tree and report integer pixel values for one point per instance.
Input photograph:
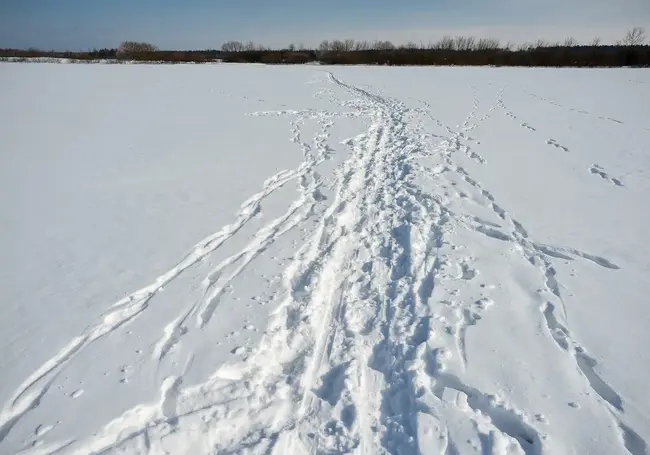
(487, 44)
(250, 46)
(324, 46)
(634, 37)
(463, 43)
(348, 45)
(570, 42)
(529, 46)
(383, 45)
(361, 45)
(541, 43)
(567, 42)
(232, 46)
(337, 46)
(595, 41)
(133, 48)
(446, 43)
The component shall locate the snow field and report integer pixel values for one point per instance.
(425, 261)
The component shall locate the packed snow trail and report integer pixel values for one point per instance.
(367, 349)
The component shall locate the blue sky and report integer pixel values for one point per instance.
(184, 24)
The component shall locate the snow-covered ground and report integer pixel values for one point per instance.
(247, 259)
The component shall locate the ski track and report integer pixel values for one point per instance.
(353, 359)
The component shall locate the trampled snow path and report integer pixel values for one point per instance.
(366, 351)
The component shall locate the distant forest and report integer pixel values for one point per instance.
(631, 50)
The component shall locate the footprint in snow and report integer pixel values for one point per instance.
(43, 429)
(555, 144)
(599, 171)
(76, 393)
(611, 120)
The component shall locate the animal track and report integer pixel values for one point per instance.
(475, 156)
(522, 124)
(555, 144)
(598, 170)
(578, 111)
(42, 430)
(76, 393)
(611, 120)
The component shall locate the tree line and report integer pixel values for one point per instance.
(636, 36)
(459, 50)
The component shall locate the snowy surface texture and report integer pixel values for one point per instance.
(245, 259)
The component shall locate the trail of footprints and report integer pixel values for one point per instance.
(557, 145)
(594, 169)
(571, 109)
(551, 142)
(541, 254)
(597, 170)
